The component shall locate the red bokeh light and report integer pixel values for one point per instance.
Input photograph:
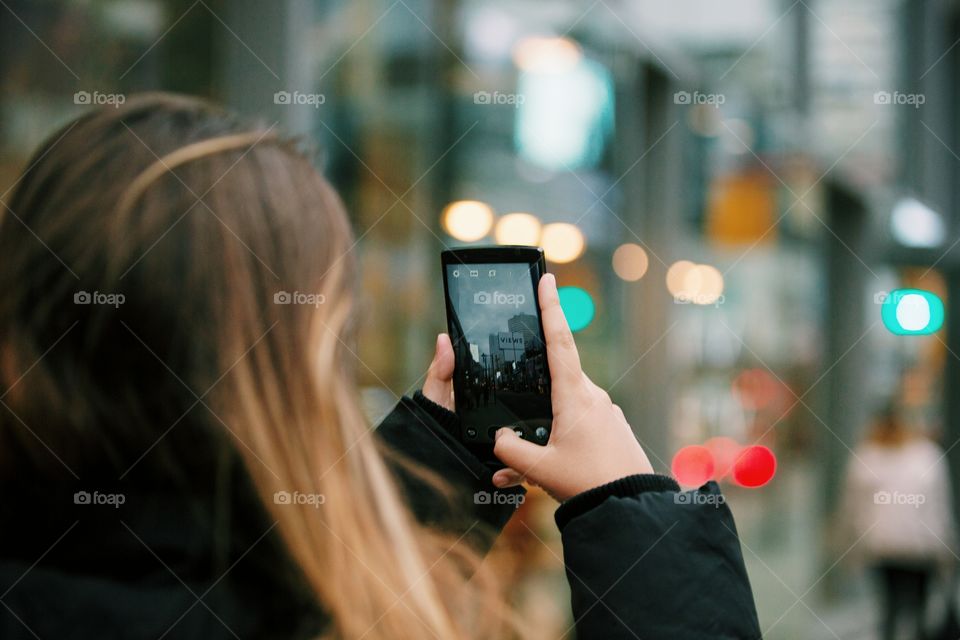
(725, 452)
(692, 466)
(755, 466)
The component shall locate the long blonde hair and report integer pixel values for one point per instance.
(232, 341)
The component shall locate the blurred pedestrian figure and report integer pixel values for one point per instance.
(897, 508)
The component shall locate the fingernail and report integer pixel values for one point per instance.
(499, 479)
(499, 433)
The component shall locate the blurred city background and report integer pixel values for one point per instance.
(733, 189)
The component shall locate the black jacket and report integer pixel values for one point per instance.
(643, 560)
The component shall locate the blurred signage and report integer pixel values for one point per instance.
(742, 209)
(511, 341)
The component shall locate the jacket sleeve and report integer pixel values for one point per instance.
(419, 437)
(646, 560)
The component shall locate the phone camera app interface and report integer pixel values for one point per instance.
(501, 377)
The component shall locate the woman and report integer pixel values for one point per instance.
(898, 509)
(181, 448)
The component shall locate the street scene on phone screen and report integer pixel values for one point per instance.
(502, 377)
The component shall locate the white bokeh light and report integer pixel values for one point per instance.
(913, 312)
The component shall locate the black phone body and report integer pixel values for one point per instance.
(501, 377)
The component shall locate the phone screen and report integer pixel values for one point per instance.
(501, 378)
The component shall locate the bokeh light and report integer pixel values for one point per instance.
(630, 262)
(677, 277)
(912, 312)
(725, 452)
(755, 466)
(518, 228)
(562, 242)
(704, 120)
(577, 306)
(467, 220)
(914, 224)
(696, 283)
(703, 284)
(692, 466)
(540, 54)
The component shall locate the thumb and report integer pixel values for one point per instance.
(441, 368)
(438, 385)
(517, 453)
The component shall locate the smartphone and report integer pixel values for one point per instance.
(500, 377)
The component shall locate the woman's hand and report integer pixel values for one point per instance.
(438, 385)
(591, 443)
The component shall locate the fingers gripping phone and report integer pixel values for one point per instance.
(500, 377)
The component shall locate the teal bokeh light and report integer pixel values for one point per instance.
(577, 306)
(912, 312)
